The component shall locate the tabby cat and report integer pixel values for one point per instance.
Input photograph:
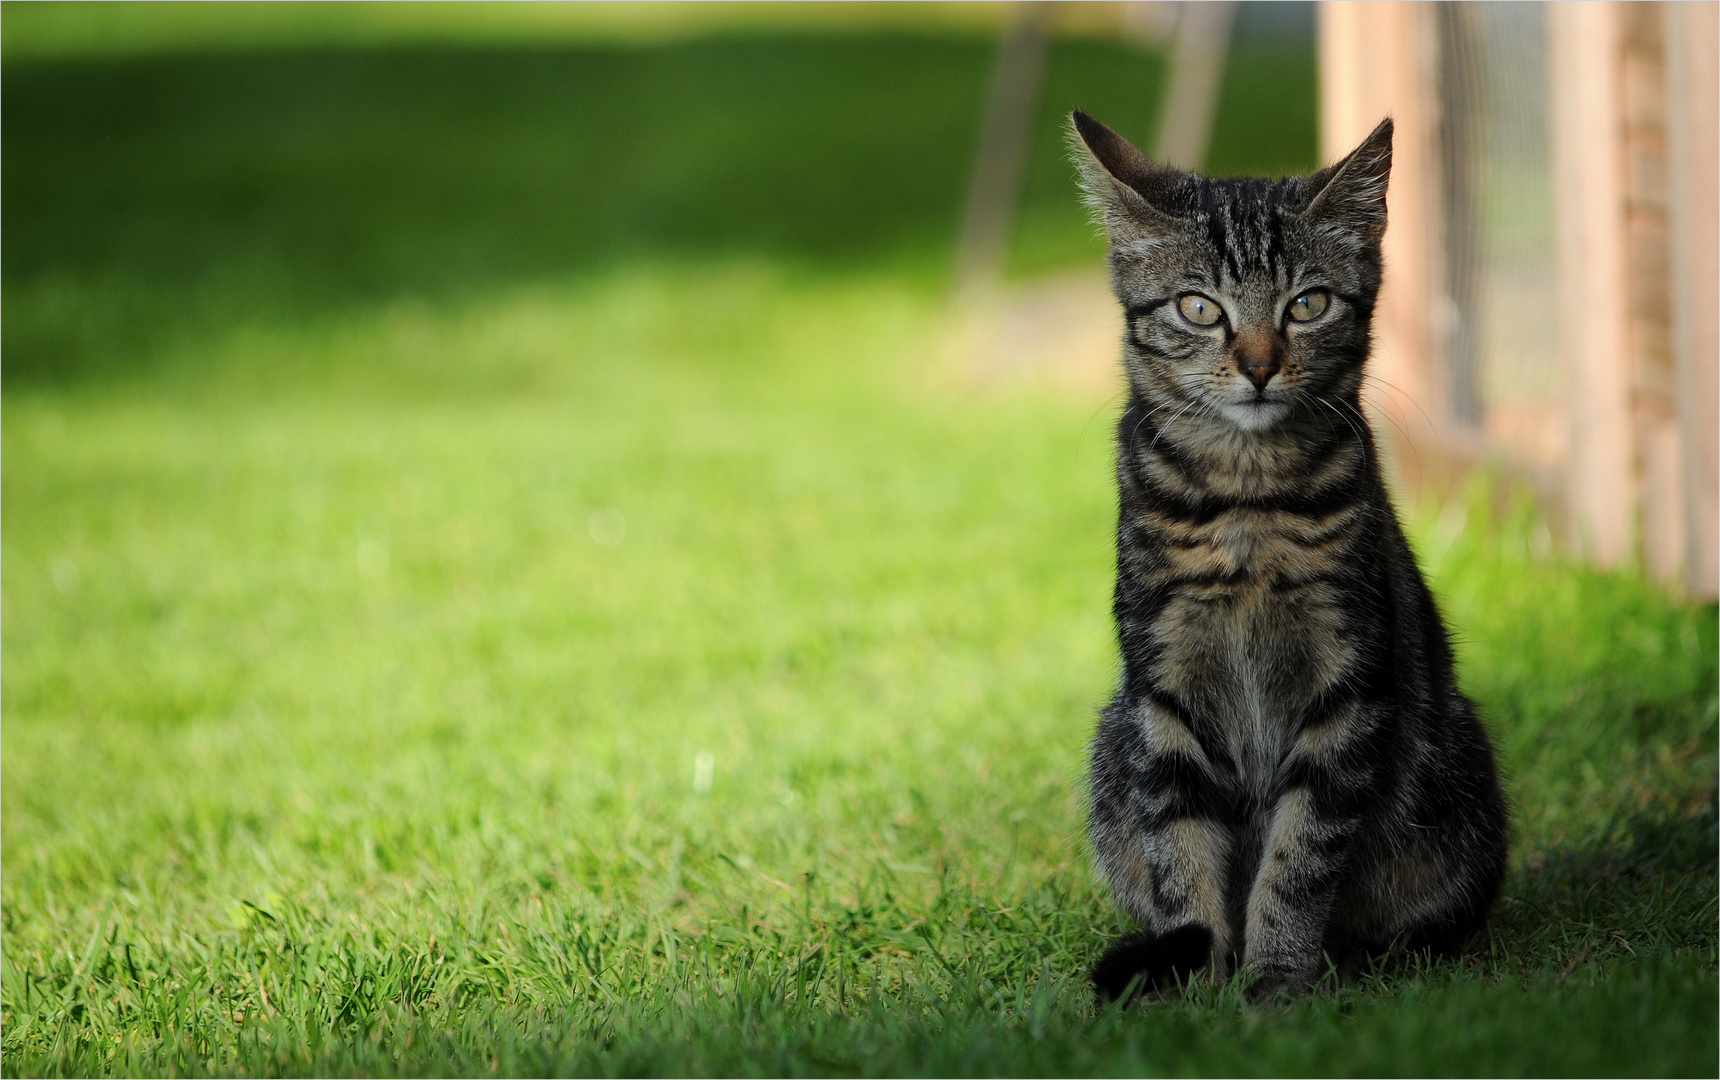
(1288, 777)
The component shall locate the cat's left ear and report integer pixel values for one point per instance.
(1352, 193)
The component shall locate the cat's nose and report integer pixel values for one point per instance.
(1257, 358)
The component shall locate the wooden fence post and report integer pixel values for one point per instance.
(1005, 143)
(1584, 53)
(1198, 53)
(1693, 153)
(1631, 101)
(1633, 89)
(1378, 60)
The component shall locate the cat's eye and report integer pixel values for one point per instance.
(1308, 306)
(1199, 310)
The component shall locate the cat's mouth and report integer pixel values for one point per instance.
(1255, 413)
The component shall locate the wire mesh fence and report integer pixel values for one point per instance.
(1497, 315)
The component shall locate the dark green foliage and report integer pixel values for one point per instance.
(149, 191)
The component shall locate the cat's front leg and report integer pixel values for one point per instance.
(1291, 901)
(1330, 784)
(1163, 847)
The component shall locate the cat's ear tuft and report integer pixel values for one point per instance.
(1128, 191)
(1352, 193)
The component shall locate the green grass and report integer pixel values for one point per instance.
(334, 742)
(343, 704)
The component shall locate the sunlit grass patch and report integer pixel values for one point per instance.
(665, 671)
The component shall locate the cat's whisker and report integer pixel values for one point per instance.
(1367, 444)
(1392, 420)
(1150, 413)
(1402, 393)
(1171, 421)
(1112, 400)
(1335, 412)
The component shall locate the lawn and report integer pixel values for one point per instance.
(497, 579)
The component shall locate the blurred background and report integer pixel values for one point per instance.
(171, 167)
(187, 161)
(575, 507)
(1551, 298)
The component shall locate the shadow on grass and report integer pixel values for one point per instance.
(1647, 882)
(1651, 1015)
(149, 200)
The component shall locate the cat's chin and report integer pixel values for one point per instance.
(1255, 415)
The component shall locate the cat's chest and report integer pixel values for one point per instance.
(1252, 627)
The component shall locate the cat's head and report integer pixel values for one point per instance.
(1248, 300)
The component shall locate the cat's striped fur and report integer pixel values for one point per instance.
(1288, 775)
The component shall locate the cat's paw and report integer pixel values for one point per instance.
(1263, 983)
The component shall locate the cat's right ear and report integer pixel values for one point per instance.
(1132, 194)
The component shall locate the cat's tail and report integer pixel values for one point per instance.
(1140, 963)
